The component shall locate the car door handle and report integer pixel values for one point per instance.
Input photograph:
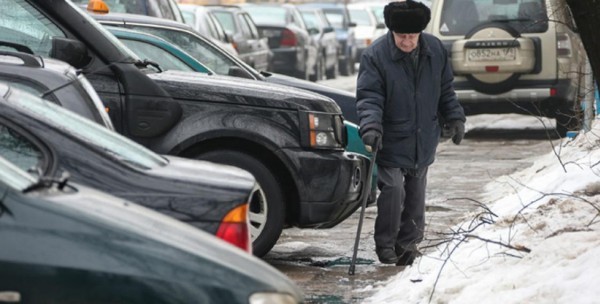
(10, 297)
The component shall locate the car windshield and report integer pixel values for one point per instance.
(525, 16)
(208, 54)
(13, 176)
(267, 14)
(335, 17)
(360, 17)
(86, 130)
(165, 60)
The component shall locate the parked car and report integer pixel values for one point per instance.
(266, 129)
(251, 47)
(339, 17)
(367, 29)
(219, 61)
(205, 23)
(354, 142)
(323, 35)
(515, 57)
(65, 243)
(294, 52)
(54, 81)
(48, 139)
(167, 9)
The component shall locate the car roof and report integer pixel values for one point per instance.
(125, 18)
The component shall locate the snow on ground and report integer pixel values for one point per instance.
(549, 214)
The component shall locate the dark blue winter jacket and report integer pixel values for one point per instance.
(403, 106)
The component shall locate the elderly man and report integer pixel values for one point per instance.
(404, 85)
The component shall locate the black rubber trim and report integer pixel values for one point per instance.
(28, 60)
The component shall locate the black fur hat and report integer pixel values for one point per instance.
(406, 17)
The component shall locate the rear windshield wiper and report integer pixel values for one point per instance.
(46, 182)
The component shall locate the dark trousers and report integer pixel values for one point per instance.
(400, 207)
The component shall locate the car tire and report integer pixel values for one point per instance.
(267, 209)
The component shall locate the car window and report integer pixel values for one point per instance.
(19, 150)
(102, 139)
(335, 17)
(251, 26)
(245, 28)
(226, 20)
(28, 86)
(22, 24)
(165, 60)
(193, 45)
(297, 19)
(164, 8)
(360, 17)
(310, 18)
(189, 17)
(267, 14)
(91, 97)
(460, 16)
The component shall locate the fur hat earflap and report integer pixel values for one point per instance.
(406, 16)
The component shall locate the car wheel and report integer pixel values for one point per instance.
(267, 206)
(494, 75)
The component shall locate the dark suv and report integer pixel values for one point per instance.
(291, 140)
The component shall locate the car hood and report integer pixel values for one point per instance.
(129, 231)
(205, 173)
(235, 90)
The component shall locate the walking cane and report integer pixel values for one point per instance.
(364, 202)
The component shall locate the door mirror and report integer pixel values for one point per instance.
(351, 24)
(71, 51)
(380, 26)
(328, 29)
(236, 71)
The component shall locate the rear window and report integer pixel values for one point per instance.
(268, 15)
(360, 17)
(525, 16)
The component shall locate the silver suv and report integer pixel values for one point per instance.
(515, 56)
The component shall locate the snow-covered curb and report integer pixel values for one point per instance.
(564, 262)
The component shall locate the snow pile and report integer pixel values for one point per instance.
(539, 242)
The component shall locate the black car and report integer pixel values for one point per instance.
(40, 136)
(292, 141)
(294, 52)
(55, 81)
(323, 34)
(65, 243)
(220, 61)
(251, 47)
(339, 17)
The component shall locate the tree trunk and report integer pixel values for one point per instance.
(586, 14)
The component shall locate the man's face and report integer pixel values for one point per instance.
(406, 42)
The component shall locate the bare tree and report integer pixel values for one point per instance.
(586, 14)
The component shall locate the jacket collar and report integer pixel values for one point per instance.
(398, 55)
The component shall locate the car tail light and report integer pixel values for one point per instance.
(563, 45)
(234, 228)
(288, 38)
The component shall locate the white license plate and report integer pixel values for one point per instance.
(496, 54)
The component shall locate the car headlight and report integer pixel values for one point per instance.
(322, 131)
(272, 297)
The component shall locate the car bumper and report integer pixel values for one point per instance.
(329, 185)
(288, 61)
(539, 98)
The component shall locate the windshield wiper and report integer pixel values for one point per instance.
(145, 63)
(46, 182)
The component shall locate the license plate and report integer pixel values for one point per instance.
(496, 54)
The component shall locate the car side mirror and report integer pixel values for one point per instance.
(313, 30)
(380, 26)
(351, 24)
(236, 71)
(328, 29)
(228, 38)
(71, 51)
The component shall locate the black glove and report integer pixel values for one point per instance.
(457, 130)
(372, 138)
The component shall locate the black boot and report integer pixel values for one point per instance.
(386, 255)
(406, 257)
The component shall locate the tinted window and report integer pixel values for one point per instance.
(165, 60)
(19, 150)
(460, 16)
